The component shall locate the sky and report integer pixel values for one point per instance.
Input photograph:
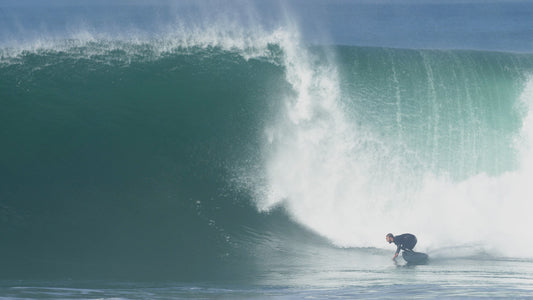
(452, 24)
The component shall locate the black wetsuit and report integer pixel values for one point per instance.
(405, 241)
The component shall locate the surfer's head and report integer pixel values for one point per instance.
(389, 238)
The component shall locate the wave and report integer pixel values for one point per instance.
(201, 152)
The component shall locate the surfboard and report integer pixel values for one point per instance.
(415, 258)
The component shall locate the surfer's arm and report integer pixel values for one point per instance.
(396, 253)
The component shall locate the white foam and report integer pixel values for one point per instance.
(84, 42)
(343, 183)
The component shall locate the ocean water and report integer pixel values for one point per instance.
(167, 151)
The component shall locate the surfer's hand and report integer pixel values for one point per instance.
(395, 255)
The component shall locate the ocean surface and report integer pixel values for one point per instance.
(153, 151)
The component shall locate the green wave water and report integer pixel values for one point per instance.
(456, 112)
(117, 162)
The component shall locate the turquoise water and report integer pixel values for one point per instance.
(234, 162)
(377, 279)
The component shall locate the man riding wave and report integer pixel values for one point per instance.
(404, 242)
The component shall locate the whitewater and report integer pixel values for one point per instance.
(349, 185)
(208, 158)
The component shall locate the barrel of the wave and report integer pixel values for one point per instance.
(118, 160)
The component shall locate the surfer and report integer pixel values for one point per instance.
(404, 241)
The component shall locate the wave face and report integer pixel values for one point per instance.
(118, 157)
(191, 155)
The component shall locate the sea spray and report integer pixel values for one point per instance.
(316, 161)
(485, 210)
(352, 182)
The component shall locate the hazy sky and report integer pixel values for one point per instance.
(490, 25)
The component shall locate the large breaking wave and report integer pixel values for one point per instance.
(194, 152)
